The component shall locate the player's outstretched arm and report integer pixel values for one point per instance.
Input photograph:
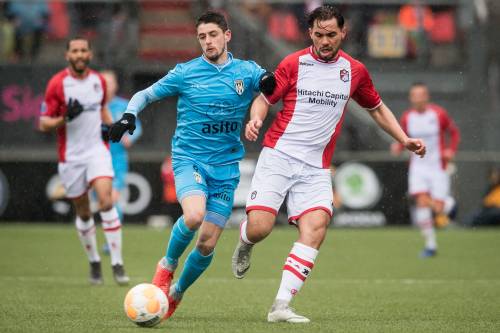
(384, 117)
(258, 112)
(138, 102)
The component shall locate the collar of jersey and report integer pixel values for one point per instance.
(219, 68)
(311, 51)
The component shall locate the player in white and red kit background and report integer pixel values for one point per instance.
(315, 85)
(74, 106)
(428, 181)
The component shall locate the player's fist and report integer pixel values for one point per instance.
(267, 83)
(415, 145)
(74, 109)
(252, 129)
(126, 123)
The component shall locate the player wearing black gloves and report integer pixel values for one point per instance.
(126, 123)
(74, 109)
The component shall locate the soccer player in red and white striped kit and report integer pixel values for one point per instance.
(428, 181)
(315, 85)
(74, 106)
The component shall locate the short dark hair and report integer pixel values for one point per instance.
(77, 38)
(213, 17)
(324, 13)
(418, 84)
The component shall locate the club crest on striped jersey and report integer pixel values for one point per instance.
(344, 75)
(239, 86)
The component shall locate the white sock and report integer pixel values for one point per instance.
(243, 233)
(297, 267)
(423, 218)
(113, 232)
(86, 233)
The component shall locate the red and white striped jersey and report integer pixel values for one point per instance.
(79, 139)
(315, 94)
(432, 125)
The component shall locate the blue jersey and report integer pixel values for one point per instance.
(212, 103)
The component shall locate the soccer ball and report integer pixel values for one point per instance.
(145, 304)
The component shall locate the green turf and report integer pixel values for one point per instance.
(364, 281)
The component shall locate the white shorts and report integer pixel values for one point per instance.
(78, 176)
(278, 175)
(433, 181)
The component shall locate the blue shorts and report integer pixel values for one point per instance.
(216, 183)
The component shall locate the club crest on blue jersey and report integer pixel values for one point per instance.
(344, 75)
(239, 86)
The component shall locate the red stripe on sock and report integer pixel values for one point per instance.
(112, 229)
(294, 271)
(302, 261)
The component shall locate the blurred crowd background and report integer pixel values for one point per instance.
(452, 45)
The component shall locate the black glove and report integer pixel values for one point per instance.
(127, 122)
(267, 83)
(105, 132)
(74, 109)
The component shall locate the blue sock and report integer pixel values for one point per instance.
(180, 238)
(195, 265)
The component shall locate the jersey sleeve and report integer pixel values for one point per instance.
(283, 76)
(53, 104)
(170, 84)
(448, 126)
(365, 94)
(104, 90)
(257, 72)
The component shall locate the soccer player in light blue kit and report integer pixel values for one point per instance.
(214, 93)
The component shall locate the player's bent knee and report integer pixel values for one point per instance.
(194, 218)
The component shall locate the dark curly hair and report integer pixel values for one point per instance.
(324, 13)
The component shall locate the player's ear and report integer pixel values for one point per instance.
(343, 32)
(227, 35)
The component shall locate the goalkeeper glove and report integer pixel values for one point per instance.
(127, 122)
(74, 109)
(267, 83)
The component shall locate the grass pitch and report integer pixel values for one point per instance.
(363, 281)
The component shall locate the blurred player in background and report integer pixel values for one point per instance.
(117, 106)
(315, 85)
(428, 181)
(214, 92)
(74, 106)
